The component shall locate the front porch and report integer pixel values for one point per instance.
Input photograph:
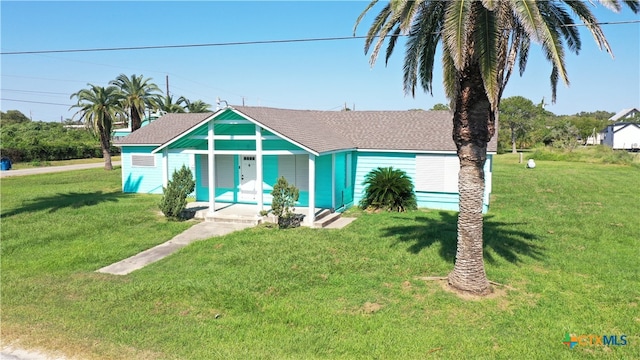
(248, 213)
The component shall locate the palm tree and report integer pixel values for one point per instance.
(481, 42)
(99, 107)
(197, 106)
(139, 94)
(167, 104)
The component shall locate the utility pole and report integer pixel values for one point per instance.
(167, 86)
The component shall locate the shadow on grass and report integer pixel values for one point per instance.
(504, 239)
(59, 201)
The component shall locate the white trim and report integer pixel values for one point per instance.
(337, 151)
(311, 217)
(259, 170)
(416, 151)
(240, 152)
(121, 145)
(235, 137)
(233, 122)
(186, 133)
(165, 168)
(211, 169)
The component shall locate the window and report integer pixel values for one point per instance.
(143, 160)
(295, 168)
(437, 173)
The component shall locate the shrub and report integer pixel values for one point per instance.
(284, 199)
(389, 189)
(174, 198)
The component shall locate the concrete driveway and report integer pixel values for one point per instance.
(52, 169)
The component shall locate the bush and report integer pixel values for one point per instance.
(389, 189)
(174, 198)
(284, 199)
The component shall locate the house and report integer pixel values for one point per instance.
(237, 154)
(625, 115)
(622, 136)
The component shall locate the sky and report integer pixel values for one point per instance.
(319, 75)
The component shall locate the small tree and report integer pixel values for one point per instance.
(174, 198)
(388, 188)
(284, 199)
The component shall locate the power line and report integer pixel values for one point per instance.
(183, 45)
(35, 102)
(236, 43)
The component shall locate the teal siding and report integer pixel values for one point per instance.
(323, 181)
(367, 161)
(141, 179)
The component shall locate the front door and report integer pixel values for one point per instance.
(247, 178)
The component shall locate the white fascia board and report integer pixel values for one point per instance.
(121, 145)
(336, 151)
(408, 151)
(206, 120)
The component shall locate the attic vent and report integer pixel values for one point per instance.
(143, 160)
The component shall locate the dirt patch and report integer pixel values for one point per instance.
(497, 290)
(371, 308)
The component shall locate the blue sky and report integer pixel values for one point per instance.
(311, 75)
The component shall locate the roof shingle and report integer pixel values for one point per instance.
(325, 131)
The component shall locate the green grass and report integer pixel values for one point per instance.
(562, 237)
(592, 154)
(34, 164)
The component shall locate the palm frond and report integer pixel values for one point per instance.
(455, 31)
(486, 36)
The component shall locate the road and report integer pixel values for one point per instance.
(52, 169)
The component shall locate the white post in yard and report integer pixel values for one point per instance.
(259, 174)
(165, 167)
(311, 217)
(333, 181)
(211, 169)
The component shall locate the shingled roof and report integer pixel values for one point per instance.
(164, 129)
(324, 131)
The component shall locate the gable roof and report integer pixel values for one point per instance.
(624, 113)
(326, 131)
(164, 129)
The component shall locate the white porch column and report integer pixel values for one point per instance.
(333, 181)
(165, 167)
(211, 169)
(311, 217)
(259, 170)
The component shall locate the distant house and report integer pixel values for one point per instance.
(121, 132)
(625, 115)
(622, 136)
(237, 153)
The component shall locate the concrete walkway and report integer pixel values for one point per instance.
(200, 231)
(52, 169)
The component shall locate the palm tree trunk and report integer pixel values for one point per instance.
(105, 145)
(136, 122)
(473, 127)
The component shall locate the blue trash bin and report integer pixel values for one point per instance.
(5, 164)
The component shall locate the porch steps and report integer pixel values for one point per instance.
(234, 219)
(325, 217)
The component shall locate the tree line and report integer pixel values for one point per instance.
(125, 98)
(523, 124)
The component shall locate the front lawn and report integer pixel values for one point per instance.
(561, 238)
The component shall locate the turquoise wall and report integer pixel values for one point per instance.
(145, 180)
(367, 161)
